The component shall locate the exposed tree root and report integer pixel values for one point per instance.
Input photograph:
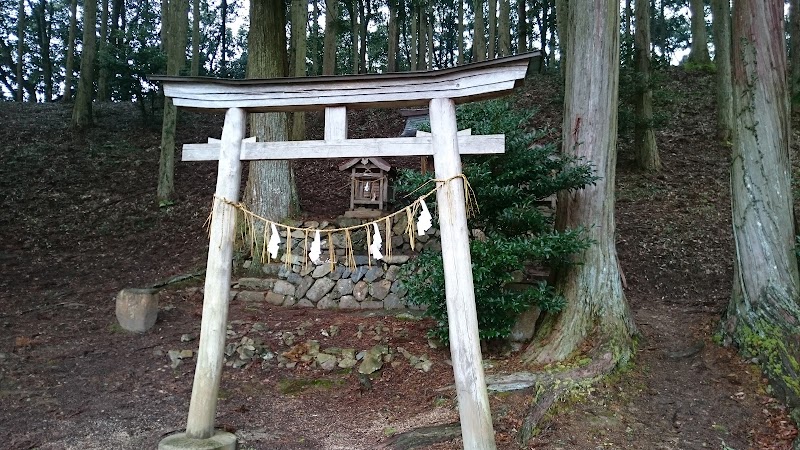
(420, 437)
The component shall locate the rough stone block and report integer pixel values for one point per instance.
(303, 286)
(304, 303)
(274, 298)
(373, 274)
(321, 270)
(137, 309)
(392, 273)
(327, 303)
(525, 325)
(396, 259)
(371, 305)
(284, 288)
(344, 286)
(399, 289)
(380, 289)
(320, 287)
(392, 301)
(360, 291)
(359, 273)
(349, 302)
(250, 296)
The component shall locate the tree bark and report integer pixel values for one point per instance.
(223, 33)
(21, 51)
(522, 37)
(699, 51)
(329, 58)
(647, 158)
(364, 15)
(492, 46)
(270, 190)
(394, 38)
(414, 47)
(70, 64)
(563, 8)
(460, 39)
(299, 47)
(504, 28)
(195, 69)
(721, 10)
(176, 24)
(429, 21)
(763, 317)
(82, 109)
(479, 35)
(794, 52)
(103, 92)
(44, 33)
(593, 290)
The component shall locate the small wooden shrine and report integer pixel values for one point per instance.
(369, 183)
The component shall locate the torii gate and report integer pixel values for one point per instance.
(439, 90)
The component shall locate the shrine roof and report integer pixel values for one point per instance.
(469, 82)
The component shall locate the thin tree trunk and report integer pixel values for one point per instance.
(364, 16)
(522, 37)
(70, 64)
(329, 59)
(460, 39)
(763, 317)
(176, 24)
(195, 69)
(103, 93)
(479, 35)
(699, 52)
(82, 109)
(414, 25)
(794, 52)
(647, 158)
(563, 8)
(44, 31)
(544, 26)
(429, 21)
(352, 7)
(21, 51)
(595, 303)
(223, 62)
(504, 28)
(270, 191)
(492, 47)
(299, 46)
(722, 58)
(394, 38)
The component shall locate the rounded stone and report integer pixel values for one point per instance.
(221, 440)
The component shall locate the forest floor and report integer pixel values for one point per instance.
(79, 222)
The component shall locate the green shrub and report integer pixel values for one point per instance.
(518, 233)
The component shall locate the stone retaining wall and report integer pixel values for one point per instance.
(371, 284)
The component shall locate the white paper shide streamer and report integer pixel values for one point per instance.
(316, 249)
(424, 222)
(274, 241)
(375, 247)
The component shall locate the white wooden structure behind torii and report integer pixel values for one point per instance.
(440, 91)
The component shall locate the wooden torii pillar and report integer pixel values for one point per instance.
(440, 91)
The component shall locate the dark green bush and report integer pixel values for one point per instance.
(518, 233)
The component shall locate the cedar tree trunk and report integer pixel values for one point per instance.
(722, 59)
(647, 158)
(82, 109)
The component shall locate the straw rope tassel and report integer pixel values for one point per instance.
(264, 246)
(305, 251)
(288, 247)
(331, 251)
(369, 246)
(388, 246)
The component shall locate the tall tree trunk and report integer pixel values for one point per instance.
(270, 191)
(329, 59)
(429, 22)
(364, 14)
(563, 9)
(21, 51)
(176, 24)
(316, 59)
(479, 35)
(647, 157)
(223, 32)
(504, 28)
(82, 109)
(544, 26)
(299, 46)
(522, 33)
(492, 47)
(44, 31)
(103, 92)
(413, 55)
(699, 52)
(763, 317)
(195, 69)
(721, 10)
(352, 10)
(794, 52)
(595, 303)
(394, 38)
(70, 64)
(460, 39)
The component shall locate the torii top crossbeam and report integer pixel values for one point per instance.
(462, 84)
(440, 91)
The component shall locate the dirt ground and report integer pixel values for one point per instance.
(79, 222)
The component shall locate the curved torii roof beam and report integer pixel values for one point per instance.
(470, 82)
